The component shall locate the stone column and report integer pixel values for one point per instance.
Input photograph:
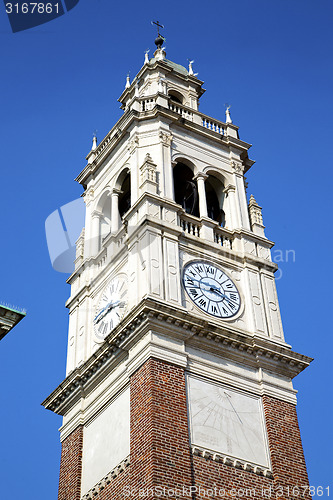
(238, 169)
(232, 219)
(115, 223)
(200, 178)
(95, 229)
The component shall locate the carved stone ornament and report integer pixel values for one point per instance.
(133, 144)
(238, 167)
(88, 196)
(165, 138)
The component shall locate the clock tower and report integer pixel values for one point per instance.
(179, 378)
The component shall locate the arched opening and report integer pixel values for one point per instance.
(215, 198)
(176, 97)
(124, 203)
(186, 191)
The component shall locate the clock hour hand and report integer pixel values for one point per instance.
(216, 290)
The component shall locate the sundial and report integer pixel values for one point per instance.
(227, 421)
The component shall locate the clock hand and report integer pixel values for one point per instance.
(199, 281)
(105, 310)
(213, 288)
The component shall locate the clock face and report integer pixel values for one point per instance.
(211, 289)
(111, 307)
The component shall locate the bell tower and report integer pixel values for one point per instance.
(179, 378)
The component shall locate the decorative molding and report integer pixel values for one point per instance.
(103, 483)
(237, 167)
(233, 462)
(150, 314)
(88, 196)
(133, 144)
(165, 138)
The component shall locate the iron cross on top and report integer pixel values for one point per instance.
(158, 25)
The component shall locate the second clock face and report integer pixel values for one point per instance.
(111, 307)
(211, 289)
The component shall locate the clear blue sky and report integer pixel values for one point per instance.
(272, 61)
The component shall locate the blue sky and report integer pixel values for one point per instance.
(272, 61)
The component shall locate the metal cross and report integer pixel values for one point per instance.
(158, 25)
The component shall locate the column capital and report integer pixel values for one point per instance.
(229, 189)
(200, 175)
(165, 138)
(116, 192)
(237, 167)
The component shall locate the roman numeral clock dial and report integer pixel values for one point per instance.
(211, 289)
(111, 307)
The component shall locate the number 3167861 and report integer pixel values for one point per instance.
(32, 8)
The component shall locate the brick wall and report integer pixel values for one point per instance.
(160, 448)
(71, 466)
(285, 446)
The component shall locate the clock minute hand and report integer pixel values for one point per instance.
(199, 281)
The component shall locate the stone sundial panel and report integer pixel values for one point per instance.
(227, 421)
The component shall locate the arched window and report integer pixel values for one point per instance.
(176, 96)
(215, 199)
(124, 203)
(186, 191)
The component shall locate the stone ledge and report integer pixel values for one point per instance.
(93, 492)
(194, 330)
(238, 464)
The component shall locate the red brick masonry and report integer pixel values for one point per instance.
(160, 450)
(71, 466)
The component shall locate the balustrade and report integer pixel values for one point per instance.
(222, 239)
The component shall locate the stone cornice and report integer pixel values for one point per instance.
(95, 158)
(8, 319)
(231, 461)
(151, 315)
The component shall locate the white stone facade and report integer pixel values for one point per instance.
(155, 238)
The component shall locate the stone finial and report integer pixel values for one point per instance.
(128, 83)
(227, 115)
(148, 175)
(160, 54)
(94, 144)
(79, 248)
(256, 216)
